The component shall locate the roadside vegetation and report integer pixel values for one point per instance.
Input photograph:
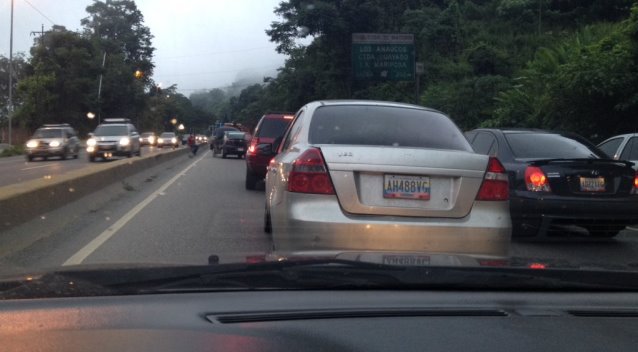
(556, 64)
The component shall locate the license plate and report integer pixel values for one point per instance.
(406, 260)
(240, 149)
(596, 184)
(406, 187)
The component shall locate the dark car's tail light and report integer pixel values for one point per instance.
(495, 185)
(309, 174)
(635, 189)
(536, 180)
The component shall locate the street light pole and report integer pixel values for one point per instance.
(10, 110)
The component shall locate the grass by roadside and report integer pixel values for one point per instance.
(12, 151)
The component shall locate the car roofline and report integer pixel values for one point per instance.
(341, 102)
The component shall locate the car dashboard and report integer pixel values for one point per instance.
(359, 320)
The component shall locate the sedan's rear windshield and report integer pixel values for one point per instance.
(111, 130)
(48, 133)
(548, 146)
(273, 128)
(385, 126)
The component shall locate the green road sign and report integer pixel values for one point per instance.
(379, 56)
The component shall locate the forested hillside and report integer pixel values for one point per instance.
(559, 64)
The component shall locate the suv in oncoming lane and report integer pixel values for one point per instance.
(268, 133)
(114, 137)
(53, 140)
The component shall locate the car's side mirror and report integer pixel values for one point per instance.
(265, 149)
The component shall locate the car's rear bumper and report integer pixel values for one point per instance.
(232, 149)
(317, 222)
(539, 216)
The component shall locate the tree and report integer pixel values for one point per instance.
(115, 27)
(59, 88)
(21, 69)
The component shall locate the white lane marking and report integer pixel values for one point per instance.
(83, 253)
(632, 228)
(37, 167)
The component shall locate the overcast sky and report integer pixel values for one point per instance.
(200, 44)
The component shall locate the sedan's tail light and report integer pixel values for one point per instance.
(495, 185)
(635, 189)
(309, 174)
(536, 180)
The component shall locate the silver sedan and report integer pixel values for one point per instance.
(366, 175)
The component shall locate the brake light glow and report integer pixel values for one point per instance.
(535, 180)
(495, 185)
(309, 174)
(252, 149)
(289, 117)
(538, 266)
(635, 189)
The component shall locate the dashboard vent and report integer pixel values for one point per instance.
(234, 318)
(604, 313)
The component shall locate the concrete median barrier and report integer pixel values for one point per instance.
(24, 201)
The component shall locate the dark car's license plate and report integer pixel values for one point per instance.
(592, 184)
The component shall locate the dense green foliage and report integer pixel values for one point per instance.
(564, 64)
(559, 64)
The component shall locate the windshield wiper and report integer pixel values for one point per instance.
(324, 274)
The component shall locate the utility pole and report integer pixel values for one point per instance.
(99, 91)
(10, 110)
(40, 33)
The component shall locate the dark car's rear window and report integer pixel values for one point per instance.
(219, 133)
(273, 128)
(236, 135)
(549, 146)
(385, 126)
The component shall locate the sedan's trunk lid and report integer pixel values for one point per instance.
(400, 181)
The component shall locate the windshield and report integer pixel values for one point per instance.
(548, 146)
(48, 133)
(401, 133)
(110, 130)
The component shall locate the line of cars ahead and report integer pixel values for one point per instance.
(381, 176)
(114, 137)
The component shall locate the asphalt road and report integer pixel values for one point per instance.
(183, 212)
(16, 169)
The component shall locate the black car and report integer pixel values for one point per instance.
(217, 139)
(234, 143)
(561, 183)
